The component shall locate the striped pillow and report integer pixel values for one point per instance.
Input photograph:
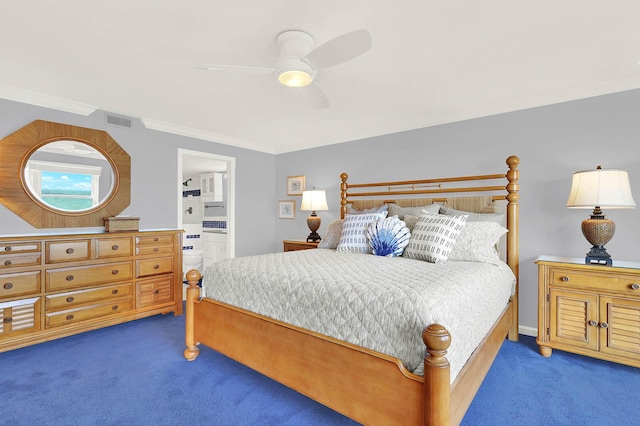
(354, 232)
(434, 236)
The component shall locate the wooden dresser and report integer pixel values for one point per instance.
(54, 286)
(591, 310)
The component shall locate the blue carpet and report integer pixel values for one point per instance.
(135, 374)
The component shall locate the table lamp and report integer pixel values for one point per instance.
(598, 189)
(315, 200)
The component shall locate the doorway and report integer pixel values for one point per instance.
(209, 232)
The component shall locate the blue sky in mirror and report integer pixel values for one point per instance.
(65, 183)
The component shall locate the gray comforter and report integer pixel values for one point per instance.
(376, 302)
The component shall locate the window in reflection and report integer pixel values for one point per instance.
(70, 187)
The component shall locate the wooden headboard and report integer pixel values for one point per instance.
(478, 193)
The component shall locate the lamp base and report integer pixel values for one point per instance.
(313, 222)
(313, 237)
(598, 256)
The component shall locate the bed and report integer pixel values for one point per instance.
(369, 385)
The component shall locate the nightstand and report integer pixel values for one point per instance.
(293, 245)
(590, 310)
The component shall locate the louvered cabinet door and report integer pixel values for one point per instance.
(19, 317)
(573, 318)
(619, 326)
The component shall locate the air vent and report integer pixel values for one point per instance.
(118, 120)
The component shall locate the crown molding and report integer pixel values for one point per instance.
(46, 101)
(175, 129)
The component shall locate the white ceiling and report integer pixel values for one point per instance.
(432, 62)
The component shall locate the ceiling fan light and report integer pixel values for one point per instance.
(295, 78)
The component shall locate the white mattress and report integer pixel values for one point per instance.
(380, 303)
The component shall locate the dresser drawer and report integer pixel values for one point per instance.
(19, 283)
(156, 266)
(597, 280)
(81, 297)
(143, 240)
(20, 247)
(113, 247)
(19, 259)
(153, 292)
(63, 278)
(70, 316)
(19, 316)
(67, 251)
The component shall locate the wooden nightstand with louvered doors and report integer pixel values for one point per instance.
(591, 310)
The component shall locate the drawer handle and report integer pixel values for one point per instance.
(114, 291)
(69, 317)
(155, 249)
(635, 286)
(156, 266)
(7, 320)
(564, 279)
(114, 272)
(156, 292)
(69, 278)
(8, 286)
(8, 248)
(70, 299)
(7, 263)
(70, 251)
(115, 247)
(604, 325)
(155, 239)
(593, 323)
(114, 307)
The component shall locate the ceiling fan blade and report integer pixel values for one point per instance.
(313, 95)
(217, 67)
(340, 49)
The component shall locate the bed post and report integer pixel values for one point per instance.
(343, 195)
(513, 255)
(193, 292)
(437, 376)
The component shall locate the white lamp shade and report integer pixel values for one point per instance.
(315, 200)
(608, 189)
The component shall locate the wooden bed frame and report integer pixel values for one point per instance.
(367, 386)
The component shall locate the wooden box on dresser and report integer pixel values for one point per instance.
(591, 310)
(53, 286)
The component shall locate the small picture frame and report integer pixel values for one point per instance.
(295, 185)
(286, 209)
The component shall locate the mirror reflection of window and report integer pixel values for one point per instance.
(68, 176)
(68, 191)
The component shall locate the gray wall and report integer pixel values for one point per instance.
(552, 142)
(154, 176)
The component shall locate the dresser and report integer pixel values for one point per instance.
(590, 310)
(53, 286)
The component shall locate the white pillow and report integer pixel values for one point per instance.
(354, 232)
(474, 217)
(401, 212)
(477, 242)
(433, 237)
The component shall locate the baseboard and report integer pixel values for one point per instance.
(528, 331)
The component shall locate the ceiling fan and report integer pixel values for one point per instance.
(298, 62)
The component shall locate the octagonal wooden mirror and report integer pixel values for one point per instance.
(58, 176)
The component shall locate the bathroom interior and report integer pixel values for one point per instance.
(205, 196)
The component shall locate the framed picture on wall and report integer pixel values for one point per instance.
(295, 185)
(286, 209)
